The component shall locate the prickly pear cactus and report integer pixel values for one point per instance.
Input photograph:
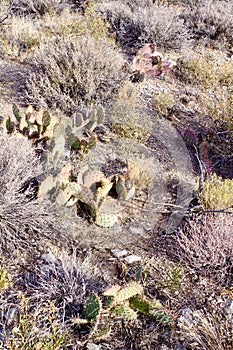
(106, 220)
(93, 307)
(125, 312)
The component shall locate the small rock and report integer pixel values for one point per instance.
(49, 258)
(119, 253)
(132, 258)
(92, 346)
(116, 227)
(229, 308)
(136, 230)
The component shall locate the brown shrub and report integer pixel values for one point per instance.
(206, 330)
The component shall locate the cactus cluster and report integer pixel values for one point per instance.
(92, 188)
(37, 126)
(150, 62)
(75, 133)
(127, 302)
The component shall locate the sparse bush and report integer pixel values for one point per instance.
(205, 68)
(34, 328)
(73, 72)
(163, 101)
(33, 7)
(211, 21)
(23, 222)
(208, 246)
(19, 36)
(137, 23)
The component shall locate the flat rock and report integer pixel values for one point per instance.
(119, 252)
(132, 258)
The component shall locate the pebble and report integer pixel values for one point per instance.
(132, 258)
(92, 346)
(136, 230)
(119, 253)
(49, 258)
(116, 227)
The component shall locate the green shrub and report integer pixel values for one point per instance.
(217, 193)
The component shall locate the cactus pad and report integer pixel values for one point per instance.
(93, 307)
(86, 195)
(129, 291)
(125, 312)
(112, 291)
(46, 185)
(106, 220)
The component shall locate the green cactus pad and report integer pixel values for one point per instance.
(93, 307)
(140, 304)
(46, 119)
(125, 312)
(9, 125)
(16, 113)
(58, 130)
(67, 123)
(106, 220)
(77, 120)
(162, 317)
(100, 115)
(120, 188)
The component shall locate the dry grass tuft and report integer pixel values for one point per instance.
(206, 330)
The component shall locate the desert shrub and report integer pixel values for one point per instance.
(208, 246)
(211, 20)
(205, 68)
(136, 23)
(217, 193)
(163, 101)
(33, 7)
(72, 72)
(22, 35)
(19, 36)
(206, 329)
(23, 222)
